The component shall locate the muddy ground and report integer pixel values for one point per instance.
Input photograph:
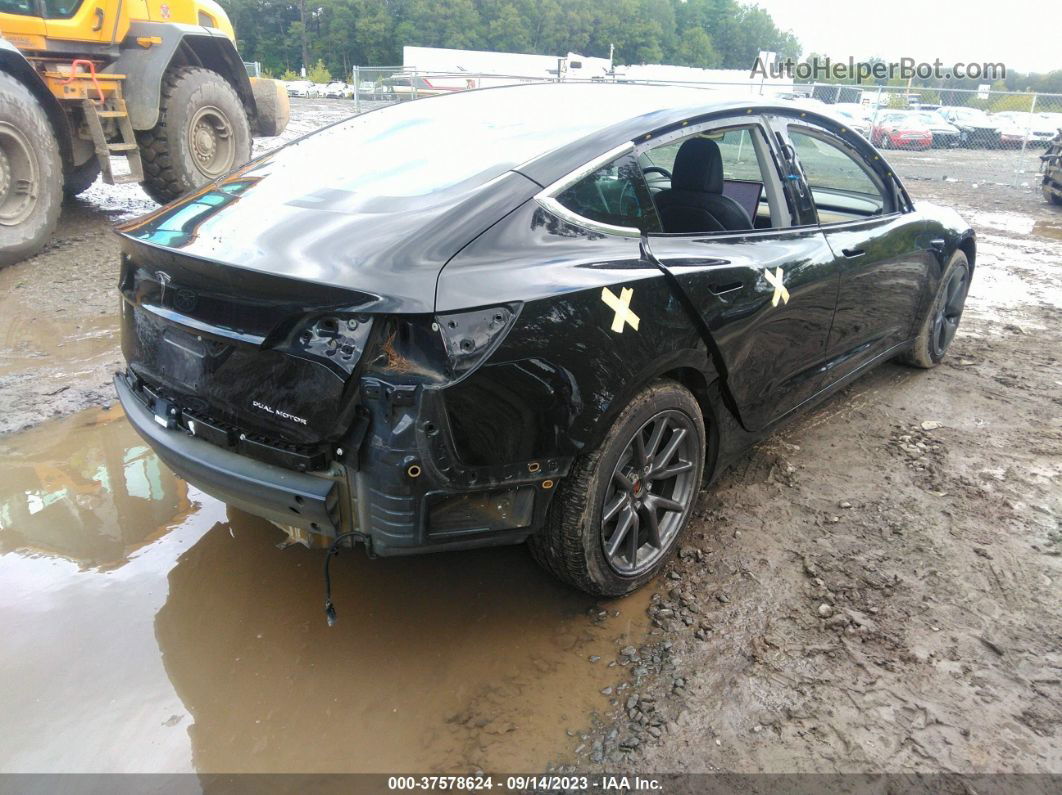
(874, 588)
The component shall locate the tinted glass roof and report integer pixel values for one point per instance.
(465, 139)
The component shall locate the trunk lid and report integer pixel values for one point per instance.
(250, 301)
(270, 357)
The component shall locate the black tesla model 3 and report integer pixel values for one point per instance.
(542, 313)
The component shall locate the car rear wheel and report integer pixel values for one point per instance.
(942, 318)
(617, 518)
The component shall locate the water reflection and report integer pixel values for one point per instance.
(444, 662)
(84, 492)
(148, 628)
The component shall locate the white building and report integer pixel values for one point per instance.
(447, 68)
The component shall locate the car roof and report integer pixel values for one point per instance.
(609, 102)
(600, 116)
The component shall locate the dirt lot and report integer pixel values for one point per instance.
(874, 588)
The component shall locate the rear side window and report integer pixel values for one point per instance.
(843, 188)
(615, 194)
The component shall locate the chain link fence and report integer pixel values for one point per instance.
(975, 136)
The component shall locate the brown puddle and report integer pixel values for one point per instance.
(149, 628)
(29, 339)
(1043, 229)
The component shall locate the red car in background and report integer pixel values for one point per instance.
(898, 130)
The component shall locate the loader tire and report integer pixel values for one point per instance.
(1050, 195)
(31, 173)
(201, 135)
(81, 177)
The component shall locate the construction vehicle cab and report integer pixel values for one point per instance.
(87, 84)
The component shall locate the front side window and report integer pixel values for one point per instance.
(714, 180)
(843, 188)
(737, 153)
(615, 194)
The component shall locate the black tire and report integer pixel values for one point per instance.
(1052, 197)
(942, 316)
(572, 544)
(31, 173)
(81, 177)
(202, 134)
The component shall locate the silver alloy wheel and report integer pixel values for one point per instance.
(211, 140)
(650, 493)
(19, 176)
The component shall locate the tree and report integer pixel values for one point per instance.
(302, 34)
(285, 34)
(695, 48)
(506, 29)
(319, 73)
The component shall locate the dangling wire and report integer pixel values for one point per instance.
(330, 611)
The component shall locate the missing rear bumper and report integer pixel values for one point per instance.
(284, 497)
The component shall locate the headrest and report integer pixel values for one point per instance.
(698, 167)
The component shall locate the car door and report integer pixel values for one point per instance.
(766, 295)
(877, 241)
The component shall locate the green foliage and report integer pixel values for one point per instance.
(342, 33)
(695, 48)
(290, 74)
(319, 73)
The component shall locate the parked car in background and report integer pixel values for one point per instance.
(856, 109)
(302, 88)
(976, 127)
(898, 129)
(945, 134)
(555, 309)
(338, 90)
(1032, 128)
(859, 123)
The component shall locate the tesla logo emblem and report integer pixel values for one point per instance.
(780, 293)
(622, 307)
(185, 300)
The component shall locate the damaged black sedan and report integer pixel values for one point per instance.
(544, 313)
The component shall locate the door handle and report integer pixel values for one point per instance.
(720, 287)
(852, 253)
(99, 20)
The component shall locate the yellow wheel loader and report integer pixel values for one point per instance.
(156, 82)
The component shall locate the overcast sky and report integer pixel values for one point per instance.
(1023, 34)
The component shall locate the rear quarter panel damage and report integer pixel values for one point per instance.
(562, 372)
